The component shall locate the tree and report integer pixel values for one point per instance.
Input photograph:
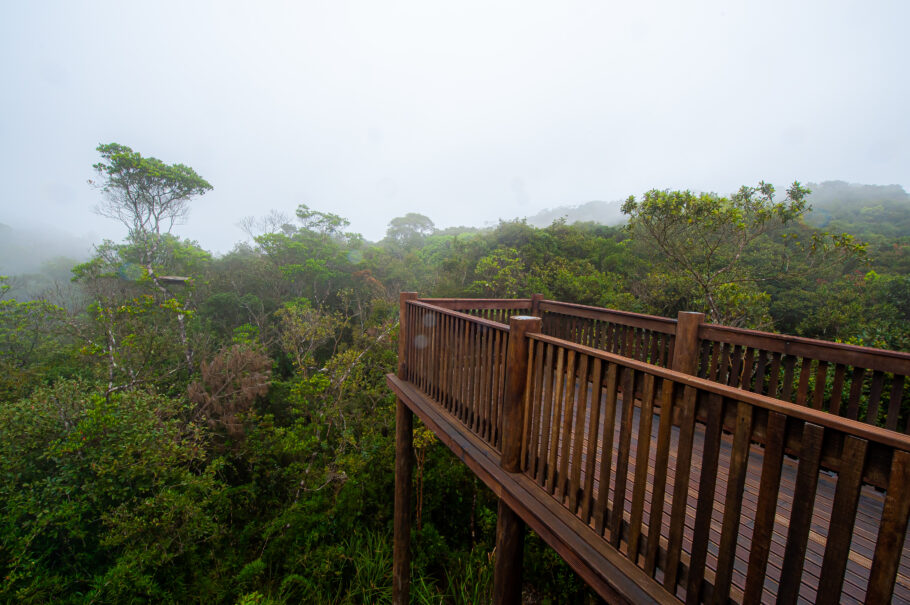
(713, 242)
(409, 230)
(149, 197)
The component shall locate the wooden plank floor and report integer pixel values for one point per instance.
(865, 532)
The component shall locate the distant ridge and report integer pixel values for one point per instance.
(604, 213)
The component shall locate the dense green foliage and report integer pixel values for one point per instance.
(260, 469)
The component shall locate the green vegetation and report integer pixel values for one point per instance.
(229, 438)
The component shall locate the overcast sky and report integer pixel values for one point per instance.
(464, 111)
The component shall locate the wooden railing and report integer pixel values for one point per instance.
(459, 361)
(712, 492)
(860, 383)
(663, 479)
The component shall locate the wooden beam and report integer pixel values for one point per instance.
(404, 452)
(510, 529)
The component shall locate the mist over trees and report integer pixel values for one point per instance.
(259, 468)
(603, 213)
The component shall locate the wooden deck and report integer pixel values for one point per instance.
(657, 485)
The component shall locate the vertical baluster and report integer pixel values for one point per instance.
(629, 342)
(639, 346)
(891, 532)
(760, 369)
(433, 334)
(443, 358)
(498, 370)
(559, 403)
(837, 389)
(875, 397)
(680, 488)
(787, 390)
(533, 390)
(645, 419)
(736, 367)
(622, 460)
(894, 402)
(704, 365)
(567, 414)
(593, 436)
(538, 467)
(606, 456)
(774, 376)
(717, 355)
(856, 392)
(463, 369)
(843, 517)
(654, 355)
(801, 514)
(821, 382)
(487, 427)
(536, 408)
(477, 376)
(578, 435)
(748, 369)
(610, 338)
(661, 463)
(736, 480)
(706, 486)
(775, 436)
(802, 392)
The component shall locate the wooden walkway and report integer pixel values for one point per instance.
(755, 475)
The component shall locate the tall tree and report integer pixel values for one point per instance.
(149, 197)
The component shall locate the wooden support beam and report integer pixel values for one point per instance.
(685, 350)
(404, 464)
(510, 529)
(510, 540)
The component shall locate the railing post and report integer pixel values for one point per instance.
(685, 349)
(404, 452)
(535, 305)
(510, 529)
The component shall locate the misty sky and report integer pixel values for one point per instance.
(463, 111)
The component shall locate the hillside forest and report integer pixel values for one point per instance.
(177, 426)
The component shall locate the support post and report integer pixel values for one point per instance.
(514, 395)
(404, 452)
(685, 349)
(510, 529)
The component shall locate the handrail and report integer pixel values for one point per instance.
(639, 320)
(426, 304)
(882, 360)
(479, 303)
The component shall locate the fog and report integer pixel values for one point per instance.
(464, 112)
